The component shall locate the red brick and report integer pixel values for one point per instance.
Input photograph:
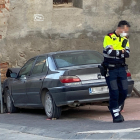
(2, 6)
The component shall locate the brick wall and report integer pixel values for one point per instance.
(2, 4)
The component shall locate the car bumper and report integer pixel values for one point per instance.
(80, 94)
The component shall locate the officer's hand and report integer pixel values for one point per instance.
(112, 48)
(123, 51)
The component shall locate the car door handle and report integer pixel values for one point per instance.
(40, 79)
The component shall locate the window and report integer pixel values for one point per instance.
(25, 70)
(45, 68)
(40, 65)
(62, 3)
(78, 3)
(67, 3)
(77, 58)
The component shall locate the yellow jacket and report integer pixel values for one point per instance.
(118, 43)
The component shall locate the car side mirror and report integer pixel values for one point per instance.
(13, 75)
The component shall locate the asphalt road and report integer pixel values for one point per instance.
(77, 123)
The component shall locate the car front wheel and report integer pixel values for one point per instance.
(52, 111)
(9, 103)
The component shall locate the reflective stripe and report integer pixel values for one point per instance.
(120, 107)
(122, 55)
(117, 53)
(127, 51)
(127, 48)
(108, 46)
(116, 110)
(107, 56)
(109, 52)
(116, 114)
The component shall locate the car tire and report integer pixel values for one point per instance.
(10, 108)
(51, 110)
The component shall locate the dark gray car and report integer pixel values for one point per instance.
(57, 80)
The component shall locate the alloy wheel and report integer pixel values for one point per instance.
(48, 106)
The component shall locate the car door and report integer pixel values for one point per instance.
(19, 84)
(35, 81)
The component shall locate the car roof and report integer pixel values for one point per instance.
(66, 51)
(71, 51)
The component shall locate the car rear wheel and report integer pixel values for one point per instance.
(9, 103)
(52, 111)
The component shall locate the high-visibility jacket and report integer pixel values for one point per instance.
(118, 43)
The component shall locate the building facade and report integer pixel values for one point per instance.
(32, 27)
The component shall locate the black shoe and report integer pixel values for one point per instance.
(122, 117)
(118, 119)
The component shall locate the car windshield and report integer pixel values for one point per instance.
(77, 58)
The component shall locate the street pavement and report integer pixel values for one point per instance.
(88, 122)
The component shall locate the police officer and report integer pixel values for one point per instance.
(116, 49)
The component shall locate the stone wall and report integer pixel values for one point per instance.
(4, 16)
(23, 36)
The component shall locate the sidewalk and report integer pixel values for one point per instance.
(87, 122)
(6, 134)
(131, 111)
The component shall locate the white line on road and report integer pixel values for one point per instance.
(111, 131)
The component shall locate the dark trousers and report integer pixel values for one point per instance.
(118, 86)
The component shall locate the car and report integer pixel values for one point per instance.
(56, 81)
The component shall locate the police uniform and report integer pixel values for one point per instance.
(116, 76)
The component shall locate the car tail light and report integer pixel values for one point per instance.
(128, 74)
(69, 79)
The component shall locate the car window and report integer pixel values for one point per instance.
(40, 65)
(77, 58)
(45, 68)
(25, 70)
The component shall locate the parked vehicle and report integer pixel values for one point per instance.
(57, 80)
